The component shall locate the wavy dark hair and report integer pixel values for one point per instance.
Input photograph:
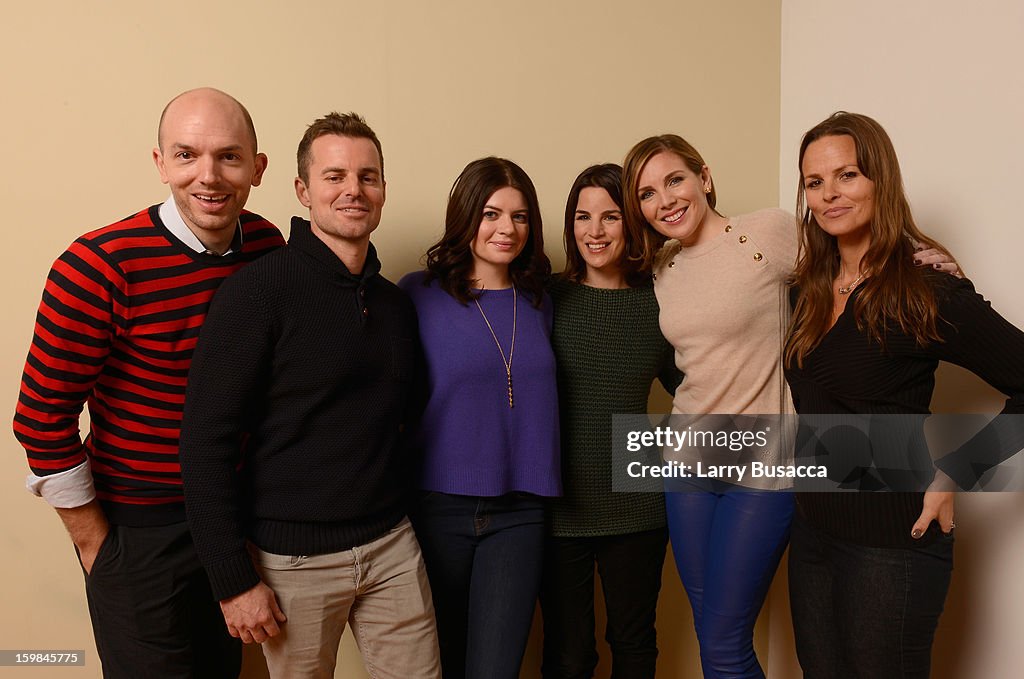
(648, 240)
(450, 260)
(607, 176)
(897, 293)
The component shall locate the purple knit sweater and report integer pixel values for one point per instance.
(471, 442)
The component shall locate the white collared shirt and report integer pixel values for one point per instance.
(172, 219)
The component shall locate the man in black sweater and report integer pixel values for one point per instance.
(293, 455)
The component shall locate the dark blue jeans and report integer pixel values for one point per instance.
(630, 567)
(727, 546)
(865, 612)
(483, 557)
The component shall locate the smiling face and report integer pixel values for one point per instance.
(207, 155)
(673, 199)
(597, 229)
(502, 234)
(838, 194)
(345, 190)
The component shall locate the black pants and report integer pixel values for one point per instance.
(865, 612)
(153, 614)
(630, 567)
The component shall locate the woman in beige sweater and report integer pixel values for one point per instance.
(722, 286)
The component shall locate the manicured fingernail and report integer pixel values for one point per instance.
(916, 534)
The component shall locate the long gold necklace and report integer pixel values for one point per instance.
(511, 349)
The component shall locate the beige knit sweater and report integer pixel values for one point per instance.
(725, 310)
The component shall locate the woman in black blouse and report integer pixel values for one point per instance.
(869, 571)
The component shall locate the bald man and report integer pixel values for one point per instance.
(116, 328)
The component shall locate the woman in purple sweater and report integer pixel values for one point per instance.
(489, 433)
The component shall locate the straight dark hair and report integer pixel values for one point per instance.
(450, 260)
(607, 176)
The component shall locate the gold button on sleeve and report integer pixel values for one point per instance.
(743, 239)
(758, 256)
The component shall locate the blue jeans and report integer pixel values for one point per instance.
(630, 567)
(727, 546)
(483, 557)
(862, 612)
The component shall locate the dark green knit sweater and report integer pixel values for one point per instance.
(609, 349)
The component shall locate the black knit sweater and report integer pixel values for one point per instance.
(849, 373)
(297, 399)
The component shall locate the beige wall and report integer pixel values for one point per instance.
(944, 79)
(555, 86)
(548, 85)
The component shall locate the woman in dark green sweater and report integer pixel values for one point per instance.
(609, 349)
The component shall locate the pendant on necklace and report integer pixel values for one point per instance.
(847, 289)
(512, 347)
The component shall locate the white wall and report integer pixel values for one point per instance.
(944, 79)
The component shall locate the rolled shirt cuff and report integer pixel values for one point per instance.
(65, 490)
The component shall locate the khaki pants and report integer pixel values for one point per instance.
(381, 588)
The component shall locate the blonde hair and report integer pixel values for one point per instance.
(637, 229)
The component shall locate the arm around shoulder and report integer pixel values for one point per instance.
(977, 338)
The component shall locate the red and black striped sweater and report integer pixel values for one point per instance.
(116, 328)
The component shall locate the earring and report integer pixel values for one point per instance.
(707, 189)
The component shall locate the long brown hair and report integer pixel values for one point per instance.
(450, 260)
(896, 293)
(608, 177)
(637, 229)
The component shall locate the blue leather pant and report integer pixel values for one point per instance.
(727, 546)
